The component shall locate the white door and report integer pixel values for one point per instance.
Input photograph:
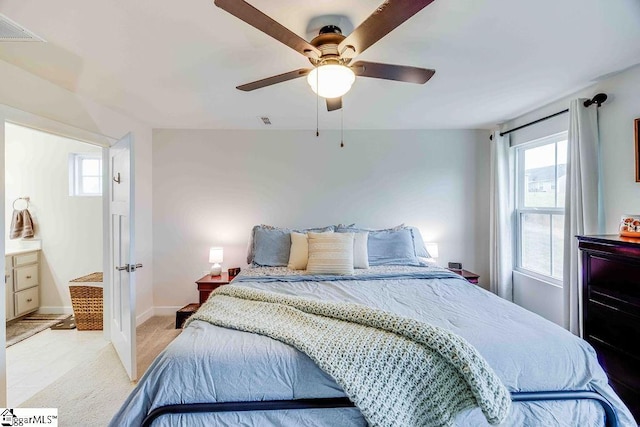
(123, 265)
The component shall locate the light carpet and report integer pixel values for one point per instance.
(30, 325)
(91, 394)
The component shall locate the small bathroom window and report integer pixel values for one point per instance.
(85, 174)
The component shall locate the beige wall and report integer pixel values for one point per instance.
(70, 228)
(210, 188)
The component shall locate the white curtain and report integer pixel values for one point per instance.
(583, 207)
(501, 216)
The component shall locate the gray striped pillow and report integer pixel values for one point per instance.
(330, 253)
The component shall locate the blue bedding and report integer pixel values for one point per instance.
(207, 363)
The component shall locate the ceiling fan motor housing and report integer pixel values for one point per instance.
(327, 42)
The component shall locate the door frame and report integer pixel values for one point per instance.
(22, 118)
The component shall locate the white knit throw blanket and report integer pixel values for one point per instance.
(396, 370)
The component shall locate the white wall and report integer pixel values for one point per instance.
(27, 92)
(210, 188)
(621, 193)
(70, 228)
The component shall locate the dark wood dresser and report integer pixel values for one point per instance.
(611, 310)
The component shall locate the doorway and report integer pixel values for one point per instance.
(53, 235)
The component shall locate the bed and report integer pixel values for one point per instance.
(212, 375)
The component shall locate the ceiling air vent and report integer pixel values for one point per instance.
(265, 120)
(12, 32)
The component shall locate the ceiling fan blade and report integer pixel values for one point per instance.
(401, 73)
(252, 16)
(388, 16)
(334, 103)
(274, 79)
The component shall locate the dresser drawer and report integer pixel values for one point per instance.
(612, 327)
(620, 367)
(25, 277)
(27, 300)
(23, 259)
(619, 280)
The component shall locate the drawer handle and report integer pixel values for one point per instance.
(28, 277)
(29, 299)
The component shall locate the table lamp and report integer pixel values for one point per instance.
(432, 248)
(215, 258)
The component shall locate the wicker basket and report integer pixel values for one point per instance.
(87, 302)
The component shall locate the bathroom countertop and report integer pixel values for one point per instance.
(16, 247)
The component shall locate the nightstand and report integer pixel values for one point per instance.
(469, 276)
(208, 283)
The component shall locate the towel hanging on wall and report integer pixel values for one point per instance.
(21, 222)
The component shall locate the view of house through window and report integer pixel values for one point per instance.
(85, 174)
(541, 177)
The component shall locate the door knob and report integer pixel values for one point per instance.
(129, 268)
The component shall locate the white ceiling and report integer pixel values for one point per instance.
(175, 64)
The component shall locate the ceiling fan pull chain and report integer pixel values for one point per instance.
(342, 127)
(317, 110)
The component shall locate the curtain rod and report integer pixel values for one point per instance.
(597, 99)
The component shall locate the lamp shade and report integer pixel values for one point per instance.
(215, 255)
(432, 248)
(331, 80)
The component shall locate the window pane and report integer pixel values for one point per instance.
(539, 176)
(91, 167)
(91, 185)
(558, 249)
(562, 173)
(536, 242)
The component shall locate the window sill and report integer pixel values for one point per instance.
(539, 277)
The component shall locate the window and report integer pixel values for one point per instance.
(540, 185)
(85, 174)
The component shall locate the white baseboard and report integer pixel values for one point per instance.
(140, 318)
(55, 310)
(166, 310)
(144, 316)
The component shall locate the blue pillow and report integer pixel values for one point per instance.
(418, 243)
(419, 248)
(270, 246)
(392, 248)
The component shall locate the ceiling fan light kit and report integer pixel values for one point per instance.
(331, 80)
(331, 53)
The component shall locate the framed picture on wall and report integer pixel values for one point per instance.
(637, 134)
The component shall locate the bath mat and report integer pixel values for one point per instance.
(30, 325)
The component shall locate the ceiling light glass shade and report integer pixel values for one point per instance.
(331, 80)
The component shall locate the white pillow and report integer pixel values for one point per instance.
(360, 251)
(299, 253)
(330, 253)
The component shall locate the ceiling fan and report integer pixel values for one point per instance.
(331, 52)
